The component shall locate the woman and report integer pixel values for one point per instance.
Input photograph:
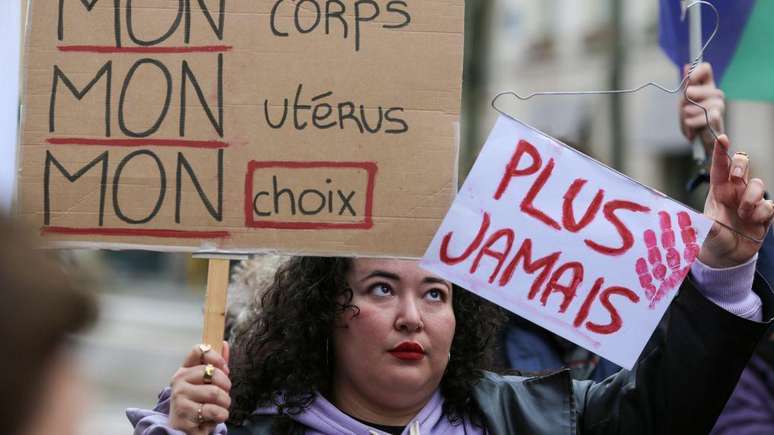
(368, 346)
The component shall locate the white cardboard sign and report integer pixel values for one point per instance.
(566, 243)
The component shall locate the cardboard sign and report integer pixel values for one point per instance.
(316, 126)
(566, 243)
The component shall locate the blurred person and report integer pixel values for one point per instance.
(41, 308)
(246, 278)
(750, 410)
(370, 346)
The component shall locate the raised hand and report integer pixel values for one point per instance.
(200, 392)
(668, 276)
(739, 204)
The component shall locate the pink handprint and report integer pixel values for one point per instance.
(670, 275)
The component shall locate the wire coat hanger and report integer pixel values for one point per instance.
(681, 88)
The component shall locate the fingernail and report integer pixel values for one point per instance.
(737, 172)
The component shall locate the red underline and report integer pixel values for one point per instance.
(137, 142)
(167, 234)
(157, 50)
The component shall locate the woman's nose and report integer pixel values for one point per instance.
(409, 318)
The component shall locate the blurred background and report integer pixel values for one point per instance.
(152, 302)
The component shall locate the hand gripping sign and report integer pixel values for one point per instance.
(567, 243)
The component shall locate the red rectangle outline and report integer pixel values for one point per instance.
(370, 167)
(137, 232)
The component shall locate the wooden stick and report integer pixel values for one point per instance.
(215, 303)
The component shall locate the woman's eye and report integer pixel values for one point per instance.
(434, 295)
(381, 290)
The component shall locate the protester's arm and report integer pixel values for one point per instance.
(695, 357)
(180, 406)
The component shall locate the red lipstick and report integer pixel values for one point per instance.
(408, 351)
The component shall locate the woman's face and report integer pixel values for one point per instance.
(397, 348)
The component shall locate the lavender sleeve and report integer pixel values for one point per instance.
(730, 288)
(156, 421)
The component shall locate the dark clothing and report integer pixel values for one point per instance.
(765, 264)
(750, 410)
(534, 350)
(679, 386)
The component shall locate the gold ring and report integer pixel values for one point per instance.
(199, 415)
(203, 348)
(742, 153)
(209, 371)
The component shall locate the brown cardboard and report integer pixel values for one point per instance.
(402, 171)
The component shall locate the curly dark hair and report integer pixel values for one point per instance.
(280, 353)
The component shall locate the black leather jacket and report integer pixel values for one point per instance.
(679, 385)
